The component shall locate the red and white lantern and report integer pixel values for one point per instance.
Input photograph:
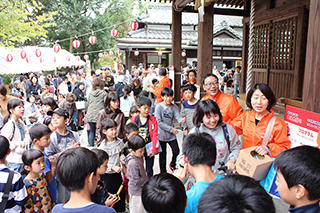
(136, 53)
(41, 60)
(110, 53)
(100, 55)
(119, 51)
(75, 66)
(76, 44)
(9, 58)
(38, 52)
(183, 54)
(92, 39)
(68, 58)
(160, 53)
(86, 57)
(59, 68)
(114, 33)
(78, 58)
(69, 66)
(64, 67)
(134, 25)
(54, 59)
(23, 54)
(27, 59)
(56, 48)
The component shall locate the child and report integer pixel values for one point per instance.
(61, 139)
(36, 184)
(135, 172)
(237, 81)
(114, 147)
(207, 118)
(40, 136)
(148, 130)
(236, 193)
(164, 193)
(48, 104)
(101, 195)
(70, 106)
(16, 132)
(45, 92)
(133, 112)
(165, 112)
(48, 123)
(17, 195)
(188, 106)
(131, 129)
(298, 178)
(199, 155)
(127, 101)
(77, 170)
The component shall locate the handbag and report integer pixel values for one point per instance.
(7, 188)
(81, 105)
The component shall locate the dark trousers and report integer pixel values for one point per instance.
(149, 165)
(92, 133)
(163, 155)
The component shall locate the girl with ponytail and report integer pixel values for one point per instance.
(127, 101)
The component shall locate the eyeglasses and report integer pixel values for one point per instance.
(212, 84)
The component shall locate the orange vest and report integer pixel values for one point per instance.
(318, 140)
(253, 135)
(165, 82)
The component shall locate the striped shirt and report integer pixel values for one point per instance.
(18, 194)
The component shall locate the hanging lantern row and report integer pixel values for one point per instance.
(78, 58)
(23, 54)
(100, 55)
(54, 59)
(76, 44)
(56, 48)
(9, 58)
(27, 59)
(183, 54)
(160, 53)
(92, 39)
(118, 51)
(134, 25)
(38, 52)
(114, 33)
(136, 53)
(110, 53)
(41, 60)
(86, 57)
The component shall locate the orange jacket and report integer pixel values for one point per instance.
(318, 140)
(253, 135)
(165, 82)
(229, 106)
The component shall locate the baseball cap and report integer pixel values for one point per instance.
(230, 71)
(59, 111)
(98, 72)
(141, 64)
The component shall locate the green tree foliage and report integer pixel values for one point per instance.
(18, 22)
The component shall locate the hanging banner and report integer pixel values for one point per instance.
(303, 126)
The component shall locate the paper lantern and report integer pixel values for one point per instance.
(183, 54)
(114, 33)
(92, 39)
(86, 57)
(41, 60)
(160, 53)
(69, 66)
(134, 25)
(110, 53)
(119, 51)
(100, 55)
(23, 54)
(59, 68)
(54, 59)
(76, 44)
(78, 58)
(38, 52)
(68, 58)
(64, 67)
(56, 48)
(136, 53)
(27, 59)
(9, 58)
(106, 55)
(75, 66)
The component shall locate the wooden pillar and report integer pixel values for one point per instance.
(205, 39)
(310, 96)
(176, 53)
(128, 60)
(245, 46)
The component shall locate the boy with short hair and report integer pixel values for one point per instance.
(199, 155)
(148, 130)
(61, 139)
(77, 170)
(18, 195)
(135, 172)
(131, 129)
(237, 81)
(40, 136)
(298, 178)
(188, 106)
(165, 112)
(164, 193)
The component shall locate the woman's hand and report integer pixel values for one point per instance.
(231, 166)
(261, 150)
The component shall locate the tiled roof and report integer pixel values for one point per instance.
(162, 14)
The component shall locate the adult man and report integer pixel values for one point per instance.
(148, 79)
(164, 82)
(229, 106)
(141, 68)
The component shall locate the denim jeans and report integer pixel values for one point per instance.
(236, 89)
(92, 133)
(17, 167)
(62, 193)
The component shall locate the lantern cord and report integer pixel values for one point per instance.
(91, 52)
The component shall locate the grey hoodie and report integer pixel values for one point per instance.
(136, 174)
(95, 104)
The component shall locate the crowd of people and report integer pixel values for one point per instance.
(125, 121)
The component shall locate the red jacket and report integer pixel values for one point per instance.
(229, 106)
(153, 130)
(165, 82)
(253, 135)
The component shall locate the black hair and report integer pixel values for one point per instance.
(47, 120)
(239, 67)
(102, 155)
(136, 142)
(13, 103)
(131, 127)
(191, 87)
(236, 193)
(144, 93)
(112, 96)
(144, 101)
(267, 92)
(194, 71)
(154, 80)
(167, 91)
(164, 193)
(31, 95)
(3, 90)
(133, 109)
(162, 71)
(28, 157)
(93, 72)
(208, 75)
(4, 147)
(126, 91)
(64, 78)
(205, 108)
(301, 165)
(38, 131)
(105, 125)
(50, 102)
(199, 148)
(78, 159)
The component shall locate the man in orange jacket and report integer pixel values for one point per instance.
(229, 106)
(164, 82)
(318, 140)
